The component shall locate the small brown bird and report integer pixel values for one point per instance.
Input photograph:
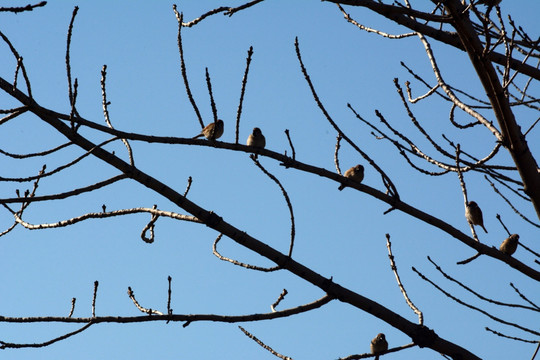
(356, 173)
(256, 139)
(212, 131)
(474, 214)
(378, 345)
(509, 246)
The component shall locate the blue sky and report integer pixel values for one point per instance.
(339, 234)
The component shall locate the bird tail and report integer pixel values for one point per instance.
(198, 136)
(483, 227)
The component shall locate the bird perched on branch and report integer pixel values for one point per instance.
(212, 131)
(356, 173)
(378, 345)
(256, 139)
(509, 246)
(474, 214)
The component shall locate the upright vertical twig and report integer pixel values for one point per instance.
(179, 18)
(293, 156)
(68, 64)
(73, 300)
(401, 287)
(242, 92)
(336, 152)
(96, 283)
(212, 102)
(105, 105)
(169, 295)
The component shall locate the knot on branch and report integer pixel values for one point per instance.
(213, 219)
(287, 162)
(424, 336)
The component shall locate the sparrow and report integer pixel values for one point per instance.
(256, 139)
(378, 345)
(212, 131)
(356, 173)
(509, 245)
(474, 214)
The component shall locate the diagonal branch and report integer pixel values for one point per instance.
(513, 139)
(403, 16)
(55, 120)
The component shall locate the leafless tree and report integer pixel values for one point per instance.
(505, 59)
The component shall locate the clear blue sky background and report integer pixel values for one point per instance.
(339, 234)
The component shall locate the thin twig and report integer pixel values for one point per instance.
(512, 337)
(60, 168)
(336, 152)
(101, 215)
(498, 217)
(468, 260)
(285, 196)
(12, 113)
(451, 94)
(264, 346)
(42, 153)
(179, 18)
(74, 105)
(464, 190)
(421, 97)
(511, 205)
(106, 104)
(536, 350)
(73, 300)
(188, 186)
(131, 295)
(28, 7)
(19, 64)
(481, 297)
(149, 226)
(370, 30)
(531, 127)
(5, 345)
(67, 194)
(68, 65)
(17, 68)
(386, 180)
(537, 308)
(227, 10)
(474, 307)
(401, 148)
(176, 317)
(529, 250)
(96, 284)
(401, 287)
(242, 92)
(279, 299)
(169, 295)
(212, 102)
(290, 144)
(238, 263)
